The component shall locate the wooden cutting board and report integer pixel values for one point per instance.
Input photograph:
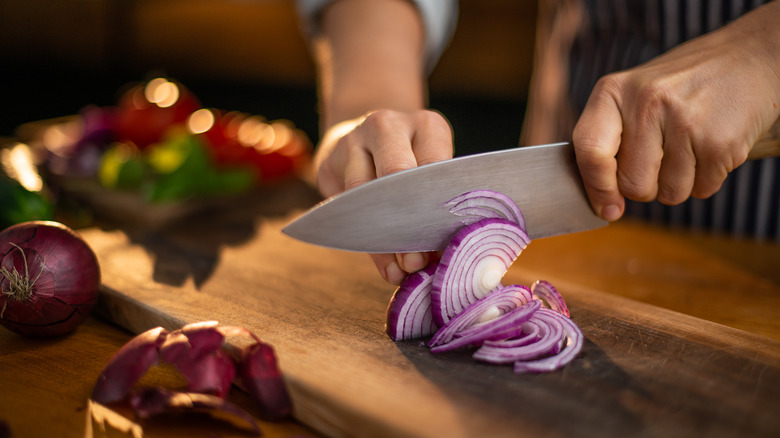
(644, 371)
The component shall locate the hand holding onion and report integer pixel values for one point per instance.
(49, 279)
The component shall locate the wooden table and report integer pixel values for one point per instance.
(44, 384)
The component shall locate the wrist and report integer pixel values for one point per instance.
(762, 36)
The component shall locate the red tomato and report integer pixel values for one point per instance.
(146, 112)
(222, 139)
(284, 160)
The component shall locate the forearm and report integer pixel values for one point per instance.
(369, 55)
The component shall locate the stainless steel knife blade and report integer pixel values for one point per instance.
(407, 211)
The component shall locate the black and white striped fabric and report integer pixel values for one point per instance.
(619, 34)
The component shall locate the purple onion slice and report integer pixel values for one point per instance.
(530, 331)
(473, 264)
(497, 327)
(409, 311)
(465, 299)
(549, 296)
(572, 347)
(493, 305)
(507, 351)
(476, 205)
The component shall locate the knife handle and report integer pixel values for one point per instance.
(768, 145)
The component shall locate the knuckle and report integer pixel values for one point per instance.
(670, 194)
(713, 152)
(350, 147)
(724, 153)
(591, 152)
(705, 192)
(611, 83)
(394, 166)
(635, 189)
(431, 119)
(651, 98)
(350, 182)
(382, 120)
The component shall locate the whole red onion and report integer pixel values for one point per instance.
(49, 279)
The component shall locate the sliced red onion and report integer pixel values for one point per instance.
(501, 326)
(549, 296)
(476, 205)
(493, 305)
(409, 311)
(473, 264)
(507, 351)
(510, 324)
(574, 341)
(529, 331)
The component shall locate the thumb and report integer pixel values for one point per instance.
(597, 137)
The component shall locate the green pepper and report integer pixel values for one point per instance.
(121, 167)
(21, 205)
(185, 170)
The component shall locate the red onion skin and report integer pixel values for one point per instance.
(211, 374)
(196, 352)
(128, 365)
(66, 275)
(263, 380)
(154, 401)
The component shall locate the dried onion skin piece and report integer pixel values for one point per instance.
(127, 366)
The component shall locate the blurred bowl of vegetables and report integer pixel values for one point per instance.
(23, 195)
(158, 155)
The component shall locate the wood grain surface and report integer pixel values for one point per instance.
(644, 370)
(45, 386)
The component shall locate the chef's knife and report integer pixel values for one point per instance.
(407, 211)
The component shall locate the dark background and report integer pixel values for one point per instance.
(57, 57)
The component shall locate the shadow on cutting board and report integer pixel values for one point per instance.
(630, 379)
(585, 399)
(190, 247)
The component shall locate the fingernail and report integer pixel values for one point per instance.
(611, 212)
(413, 261)
(393, 273)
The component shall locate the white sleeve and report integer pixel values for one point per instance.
(439, 18)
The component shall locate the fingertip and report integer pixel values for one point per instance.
(413, 261)
(393, 273)
(611, 212)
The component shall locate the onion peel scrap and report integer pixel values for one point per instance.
(209, 364)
